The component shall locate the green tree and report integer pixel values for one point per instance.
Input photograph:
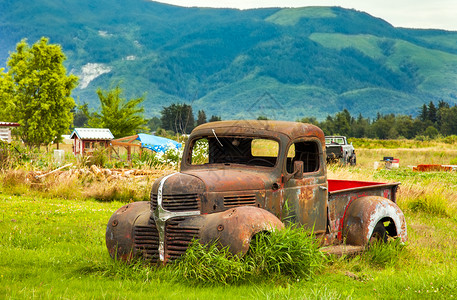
(201, 118)
(178, 118)
(154, 124)
(35, 92)
(214, 118)
(6, 97)
(80, 118)
(121, 116)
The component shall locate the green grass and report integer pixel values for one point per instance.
(290, 17)
(54, 248)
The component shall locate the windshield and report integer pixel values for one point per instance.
(334, 140)
(234, 150)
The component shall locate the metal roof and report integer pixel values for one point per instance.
(292, 129)
(9, 124)
(92, 134)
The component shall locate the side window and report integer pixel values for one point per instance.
(200, 152)
(307, 152)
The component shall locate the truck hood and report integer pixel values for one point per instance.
(230, 180)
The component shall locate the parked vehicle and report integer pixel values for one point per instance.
(339, 150)
(255, 176)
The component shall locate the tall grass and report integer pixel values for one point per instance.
(287, 255)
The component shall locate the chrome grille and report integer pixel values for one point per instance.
(184, 202)
(231, 201)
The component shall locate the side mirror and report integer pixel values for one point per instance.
(298, 169)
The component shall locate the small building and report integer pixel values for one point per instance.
(5, 130)
(86, 140)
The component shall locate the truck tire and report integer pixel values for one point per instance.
(353, 160)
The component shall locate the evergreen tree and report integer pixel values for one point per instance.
(432, 112)
(423, 114)
(215, 118)
(201, 119)
(35, 92)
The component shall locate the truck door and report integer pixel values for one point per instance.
(305, 197)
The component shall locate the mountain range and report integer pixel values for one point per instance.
(280, 63)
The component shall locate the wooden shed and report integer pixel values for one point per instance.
(5, 130)
(87, 139)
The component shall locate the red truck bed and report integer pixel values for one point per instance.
(336, 185)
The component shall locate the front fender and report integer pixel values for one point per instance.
(235, 227)
(364, 213)
(119, 235)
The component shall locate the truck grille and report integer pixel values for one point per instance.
(231, 201)
(184, 202)
(147, 242)
(177, 240)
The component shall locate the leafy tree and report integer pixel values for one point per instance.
(121, 116)
(201, 118)
(35, 92)
(154, 124)
(6, 97)
(178, 118)
(431, 132)
(309, 120)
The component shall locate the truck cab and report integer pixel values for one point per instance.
(237, 178)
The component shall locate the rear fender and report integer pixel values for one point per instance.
(364, 213)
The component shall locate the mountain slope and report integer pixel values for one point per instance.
(282, 63)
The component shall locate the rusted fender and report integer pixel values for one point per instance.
(235, 227)
(119, 231)
(362, 215)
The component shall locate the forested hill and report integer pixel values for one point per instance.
(280, 63)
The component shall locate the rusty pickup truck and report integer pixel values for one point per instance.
(240, 178)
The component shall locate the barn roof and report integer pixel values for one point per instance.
(92, 134)
(9, 124)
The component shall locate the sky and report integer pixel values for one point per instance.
(436, 14)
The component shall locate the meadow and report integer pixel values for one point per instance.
(52, 243)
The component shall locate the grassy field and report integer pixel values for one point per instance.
(54, 247)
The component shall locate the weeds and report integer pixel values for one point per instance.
(209, 264)
(383, 255)
(290, 254)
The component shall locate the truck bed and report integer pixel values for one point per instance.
(342, 192)
(336, 186)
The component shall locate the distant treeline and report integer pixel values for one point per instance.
(432, 121)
